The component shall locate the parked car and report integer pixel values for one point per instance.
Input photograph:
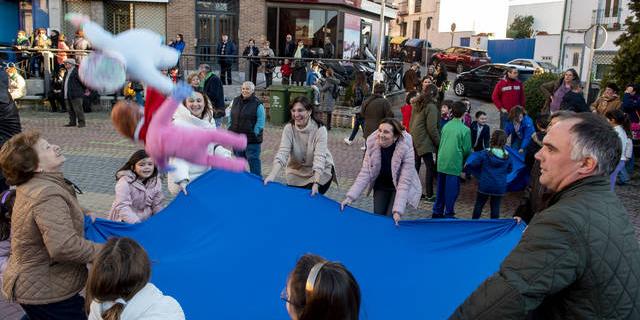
(480, 81)
(461, 58)
(539, 65)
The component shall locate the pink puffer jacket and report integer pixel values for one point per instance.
(135, 202)
(403, 171)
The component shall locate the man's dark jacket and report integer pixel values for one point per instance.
(75, 88)
(578, 259)
(213, 89)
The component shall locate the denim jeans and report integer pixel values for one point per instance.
(252, 154)
(614, 174)
(358, 123)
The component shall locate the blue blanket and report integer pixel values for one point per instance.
(225, 250)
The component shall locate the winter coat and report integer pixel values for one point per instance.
(508, 93)
(268, 64)
(573, 101)
(604, 104)
(329, 50)
(304, 154)
(9, 118)
(578, 259)
(48, 250)
(327, 102)
(17, 86)
(212, 87)
(403, 172)
(147, 304)
(455, 147)
(135, 202)
(410, 80)
(178, 45)
(61, 56)
(631, 106)
(183, 170)
(229, 50)
(254, 51)
(75, 88)
(493, 172)
(548, 89)
(536, 197)
(373, 110)
(524, 132)
(290, 49)
(80, 43)
(5, 250)
(482, 142)
(424, 127)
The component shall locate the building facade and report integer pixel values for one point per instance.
(579, 16)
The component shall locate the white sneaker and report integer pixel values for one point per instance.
(363, 148)
(347, 141)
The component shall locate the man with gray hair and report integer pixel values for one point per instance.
(578, 259)
(211, 85)
(248, 117)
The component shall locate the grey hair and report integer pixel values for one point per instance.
(252, 87)
(593, 137)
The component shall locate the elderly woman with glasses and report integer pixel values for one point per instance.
(47, 266)
(303, 150)
(321, 289)
(248, 117)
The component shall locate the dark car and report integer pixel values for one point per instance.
(461, 58)
(481, 80)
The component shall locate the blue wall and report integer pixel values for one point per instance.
(9, 21)
(502, 51)
(40, 14)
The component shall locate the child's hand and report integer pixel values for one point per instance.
(182, 91)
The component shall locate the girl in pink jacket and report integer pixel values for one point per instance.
(138, 190)
(389, 170)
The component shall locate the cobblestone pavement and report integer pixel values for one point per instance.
(95, 153)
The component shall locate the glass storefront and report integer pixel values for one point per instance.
(310, 26)
(213, 19)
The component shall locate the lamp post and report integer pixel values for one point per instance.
(377, 77)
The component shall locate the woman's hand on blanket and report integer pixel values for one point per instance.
(314, 189)
(396, 218)
(345, 203)
(183, 186)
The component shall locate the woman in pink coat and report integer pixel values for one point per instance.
(138, 190)
(389, 169)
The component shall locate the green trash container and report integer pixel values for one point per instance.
(295, 91)
(279, 104)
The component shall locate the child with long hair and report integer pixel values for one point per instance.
(321, 289)
(138, 190)
(620, 123)
(494, 166)
(119, 289)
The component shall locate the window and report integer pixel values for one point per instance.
(403, 29)
(482, 70)
(418, 5)
(416, 29)
(576, 59)
(602, 70)
(496, 71)
(611, 8)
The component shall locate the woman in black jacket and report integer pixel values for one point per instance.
(251, 51)
(300, 66)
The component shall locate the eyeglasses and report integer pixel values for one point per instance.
(285, 297)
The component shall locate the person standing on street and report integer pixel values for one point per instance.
(226, 51)
(579, 258)
(329, 48)
(9, 119)
(426, 135)
(410, 79)
(266, 53)
(555, 90)
(211, 85)
(73, 91)
(374, 109)
(248, 117)
(508, 93)
(289, 46)
(252, 52)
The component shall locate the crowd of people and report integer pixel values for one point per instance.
(562, 267)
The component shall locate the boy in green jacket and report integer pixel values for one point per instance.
(455, 146)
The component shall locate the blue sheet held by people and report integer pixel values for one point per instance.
(517, 179)
(225, 250)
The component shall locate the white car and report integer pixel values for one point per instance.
(530, 63)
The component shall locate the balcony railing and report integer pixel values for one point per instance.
(610, 19)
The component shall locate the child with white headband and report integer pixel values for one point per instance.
(119, 289)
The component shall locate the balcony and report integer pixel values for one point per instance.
(609, 19)
(403, 7)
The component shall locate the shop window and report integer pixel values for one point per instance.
(117, 16)
(310, 26)
(416, 29)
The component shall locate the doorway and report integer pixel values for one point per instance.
(213, 19)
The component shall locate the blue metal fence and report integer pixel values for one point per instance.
(502, 51)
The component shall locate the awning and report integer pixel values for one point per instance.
(397, 40)
(414, 43)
